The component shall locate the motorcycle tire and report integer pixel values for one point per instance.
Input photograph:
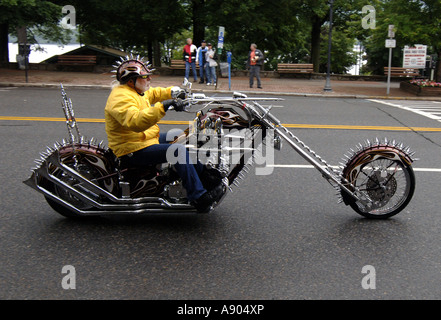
(386, 176)
(65, 212)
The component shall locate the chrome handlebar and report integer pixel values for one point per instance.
(200, 98)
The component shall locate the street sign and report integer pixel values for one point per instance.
(391, 43)
(391, 31)
(220, 39)
(415, 57)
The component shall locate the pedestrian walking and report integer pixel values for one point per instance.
(254, 63)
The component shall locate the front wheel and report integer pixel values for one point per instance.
(383, 178)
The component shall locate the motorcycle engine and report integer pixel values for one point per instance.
(176, 192)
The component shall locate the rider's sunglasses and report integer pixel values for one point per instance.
(145, 76)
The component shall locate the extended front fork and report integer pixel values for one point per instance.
(334, 178)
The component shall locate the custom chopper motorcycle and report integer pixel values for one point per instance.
(81, 178)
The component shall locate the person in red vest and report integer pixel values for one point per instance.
(190, 51)
(254, 63)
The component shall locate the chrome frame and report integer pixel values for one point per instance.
(127, 205)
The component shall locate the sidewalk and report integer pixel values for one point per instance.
(284, 86)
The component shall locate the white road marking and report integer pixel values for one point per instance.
(303, 166)
(429, 109)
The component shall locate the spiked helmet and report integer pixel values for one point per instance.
(131, 67)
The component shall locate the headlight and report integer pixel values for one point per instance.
(277, 142)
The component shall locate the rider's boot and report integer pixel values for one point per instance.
(204, 203)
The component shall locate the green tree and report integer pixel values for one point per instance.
(416, 22)
(32, 14)
(129, 26)
(272, 27)
(346, 20)
(342, 55)
(316, 12)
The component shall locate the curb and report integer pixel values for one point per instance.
(251, 93)
(51, 85)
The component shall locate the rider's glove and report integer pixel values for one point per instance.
(178, 104)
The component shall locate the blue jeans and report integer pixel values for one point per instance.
(211, 74)
(188, 172)
(191, 65)
(202, 70)
(255, 72)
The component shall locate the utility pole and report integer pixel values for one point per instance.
(23, 49)
(390, 43)
(327, 87)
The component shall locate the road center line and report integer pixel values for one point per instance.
(297, 126)
(293, 166)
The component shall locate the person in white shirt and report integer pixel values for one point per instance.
(211, 65)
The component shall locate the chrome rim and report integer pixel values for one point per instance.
(386, 183)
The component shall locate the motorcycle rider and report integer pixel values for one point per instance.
(132, 112)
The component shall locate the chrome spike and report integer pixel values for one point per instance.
(366, 143)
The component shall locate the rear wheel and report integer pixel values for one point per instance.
(89, 162)
(86, 171)
(65, 212)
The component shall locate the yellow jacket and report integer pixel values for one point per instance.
(131, 119)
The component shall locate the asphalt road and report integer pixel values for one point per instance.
(281, 236)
